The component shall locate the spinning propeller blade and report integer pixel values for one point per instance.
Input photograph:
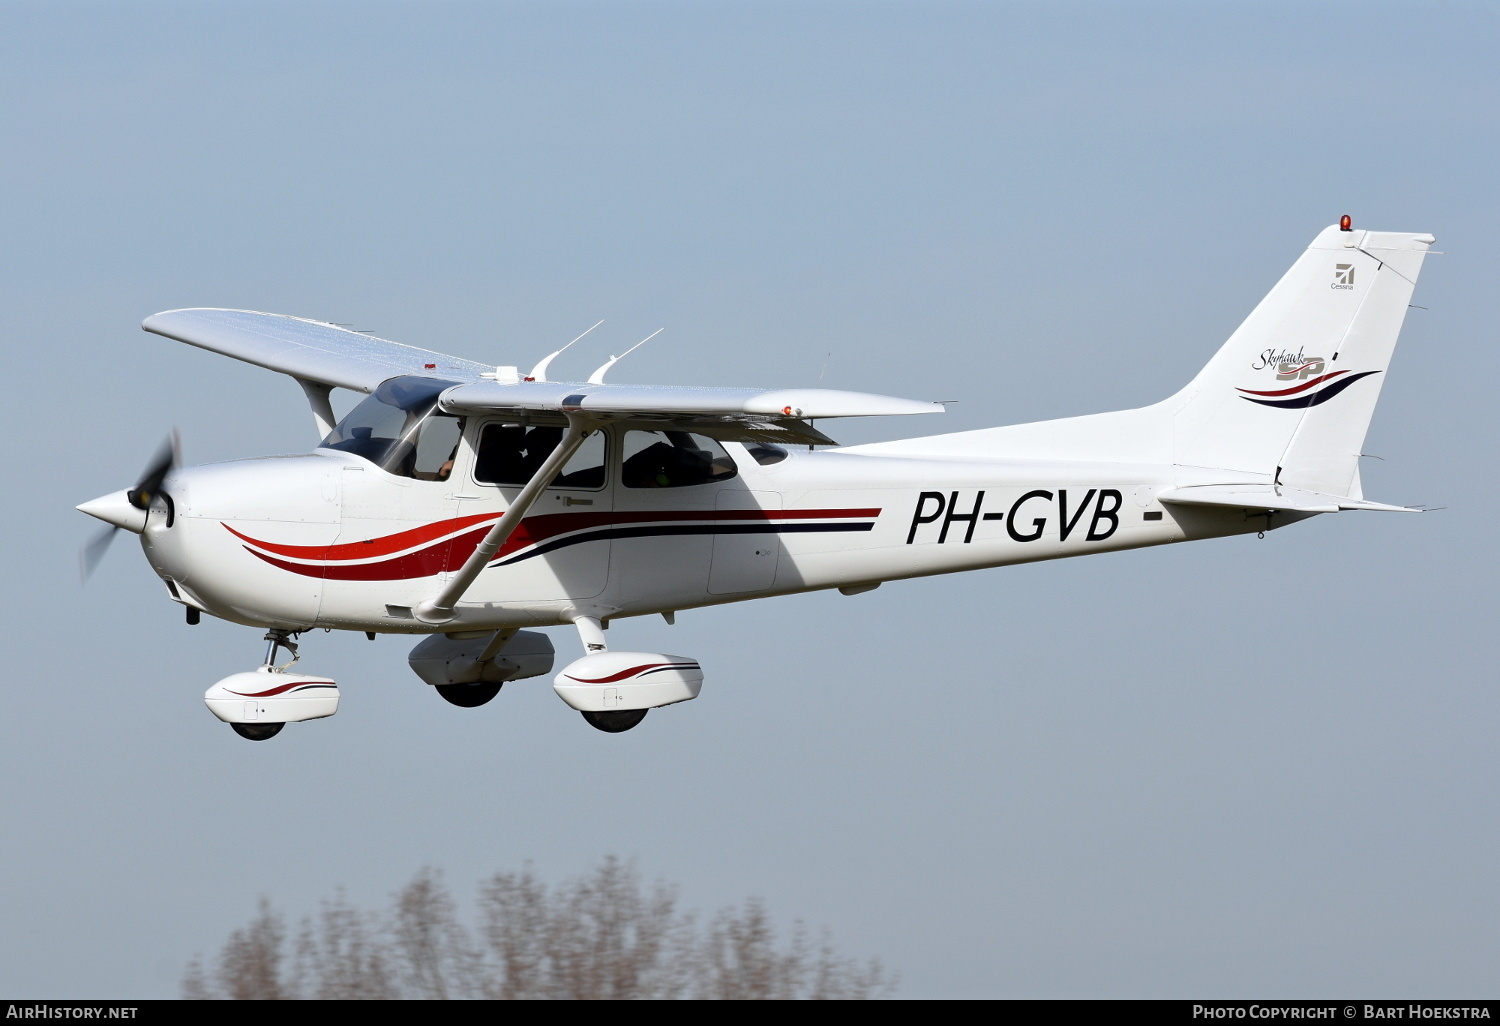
(167, 457)
(145, 490)
(93, 551)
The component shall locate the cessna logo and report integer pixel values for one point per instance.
(1343, 276)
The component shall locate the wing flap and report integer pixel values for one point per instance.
(306, 349)
(675, 400)
(779, 432)
(1277, 497)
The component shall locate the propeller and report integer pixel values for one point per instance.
(141, 496)
(166, 459)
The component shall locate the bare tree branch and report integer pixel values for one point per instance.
(603, 936)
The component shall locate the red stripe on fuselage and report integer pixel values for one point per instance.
(372, 547)
(449, 555)
(531, 530)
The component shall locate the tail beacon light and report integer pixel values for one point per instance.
(268, 696)
(622, 681)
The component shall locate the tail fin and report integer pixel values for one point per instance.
(1289, 396)
(1292, 391)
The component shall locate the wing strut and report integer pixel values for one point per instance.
(322, 409)
(439, 608)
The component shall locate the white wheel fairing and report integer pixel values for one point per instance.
(269, 695)
(621, 681)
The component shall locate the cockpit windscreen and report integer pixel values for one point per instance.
(399, 429)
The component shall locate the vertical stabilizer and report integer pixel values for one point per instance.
(1292, 391)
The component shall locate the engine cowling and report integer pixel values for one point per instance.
(619, 681)
(268, 695)
(440, 659)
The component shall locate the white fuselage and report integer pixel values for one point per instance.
(328, 539)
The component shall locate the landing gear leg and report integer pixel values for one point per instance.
(276, 638)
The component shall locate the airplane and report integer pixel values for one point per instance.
(471, 504)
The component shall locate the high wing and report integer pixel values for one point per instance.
(328, 355)
(307, 350)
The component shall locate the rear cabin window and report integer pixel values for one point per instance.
(765, 453)
(511, 454)
(673, 459)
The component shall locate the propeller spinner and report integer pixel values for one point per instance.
(127, 509)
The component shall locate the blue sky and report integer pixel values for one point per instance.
(1235, 768)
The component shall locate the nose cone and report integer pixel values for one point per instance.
(115, 508)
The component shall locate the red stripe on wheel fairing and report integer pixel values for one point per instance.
(296, 685)
(633, 671)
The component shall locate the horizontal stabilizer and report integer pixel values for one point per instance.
(1277, 497)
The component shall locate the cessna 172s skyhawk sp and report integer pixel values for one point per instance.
(466, 502)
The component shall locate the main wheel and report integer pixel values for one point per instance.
(615, 722)
(257, 731)
(468, 696)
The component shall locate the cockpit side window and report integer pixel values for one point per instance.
(673, 459)
(400, 429)
(437, 447)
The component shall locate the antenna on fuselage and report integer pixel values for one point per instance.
(539, 372)
(597, 378)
